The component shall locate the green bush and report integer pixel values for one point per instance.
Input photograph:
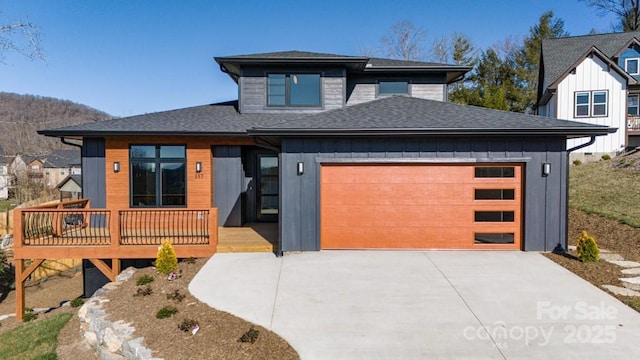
(577, 162)
(166, 262)
(29, 315)
(7, 276)
(144, 280)
(77, 302)
(587, 247)
(166, 312)
(606, 157)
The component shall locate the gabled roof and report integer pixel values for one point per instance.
(545, 94)
(75, 178)
(62, 158)
(232, 64)
(221, 119)
(559, 55)
(400, 115)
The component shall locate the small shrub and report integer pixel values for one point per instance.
(145, 291)
(187, 325)
(144, 279)
(166, 312)
(606, 157)
(77, 302)
(250, 336)
(166, 262)
(587, 247)
(577, 162)
(176, 295)
(29, 315)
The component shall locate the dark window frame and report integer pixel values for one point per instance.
(287, 92)
(507, 171)
(507, 216)
(591, 104)
(637, 106)
(507, 235)
(157, 160)
(504, 195)
(381, 94)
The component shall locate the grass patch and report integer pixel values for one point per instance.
(633, 303)
(7, 204)
(597, 188)
(37, 340)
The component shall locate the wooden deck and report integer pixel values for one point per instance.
(253, 237)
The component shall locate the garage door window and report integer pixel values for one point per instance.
(495, 194)
(495, 172)
(494, 216)
(494, 238)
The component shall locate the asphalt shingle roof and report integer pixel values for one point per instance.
(62, 158)
(220, 118)
(398, 113)
(560, 54)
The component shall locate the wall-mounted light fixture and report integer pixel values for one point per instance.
(300, 168)
(116, 166)
(198, 167)
(546, 169)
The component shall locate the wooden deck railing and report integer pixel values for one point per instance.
(633, 122)
(73, 230)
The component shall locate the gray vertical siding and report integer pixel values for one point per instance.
(228, 183)
(93, 172)
(544, 210)
(253, 90)
(363, 88)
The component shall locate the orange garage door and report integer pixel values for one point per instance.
(379, 206)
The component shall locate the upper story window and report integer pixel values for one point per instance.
(632, 105)
(293, 90)
(632, 66)
(158, 175)
(591, 103)
(393, 88)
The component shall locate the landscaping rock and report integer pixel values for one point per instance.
(572, 248)
(6, 316)
(617, 290)
(126, 274)
(91, 338)
(611, 256)
(631, 271)
(111, 341)
(625, 264)
(631, 283)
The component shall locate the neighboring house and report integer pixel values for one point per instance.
(70, 188)
(5, 179)
(48, 169)
(593, 79)
(344, 152)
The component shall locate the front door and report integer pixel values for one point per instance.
(268, 187)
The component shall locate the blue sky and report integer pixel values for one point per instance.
(140, 56)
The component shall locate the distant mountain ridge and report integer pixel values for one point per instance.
(22, 115)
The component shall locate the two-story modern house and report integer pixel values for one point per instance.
(344, 152)
(593, 79)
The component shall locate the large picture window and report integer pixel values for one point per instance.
(293, 90)
(158, 175)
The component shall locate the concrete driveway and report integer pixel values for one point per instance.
(422, 305)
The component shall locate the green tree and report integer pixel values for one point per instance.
(627, 12)
(528, 58)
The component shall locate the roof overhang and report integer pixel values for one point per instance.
(565, 132)
(78, 134)
(593, 51)
(633, 41)
(453, 73)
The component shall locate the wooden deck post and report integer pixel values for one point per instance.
(213, 228)
(19, 265)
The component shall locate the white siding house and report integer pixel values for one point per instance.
(591, 79)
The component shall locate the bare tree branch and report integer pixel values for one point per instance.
(404, 41)
(627, 12)
(22, 38)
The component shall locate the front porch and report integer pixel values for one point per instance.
(252, 237)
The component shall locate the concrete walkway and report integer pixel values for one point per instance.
(422, 305)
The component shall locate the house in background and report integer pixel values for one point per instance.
(70, 188)
(343, 152)
(47, 169)
(5, 179)
(593, 79)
